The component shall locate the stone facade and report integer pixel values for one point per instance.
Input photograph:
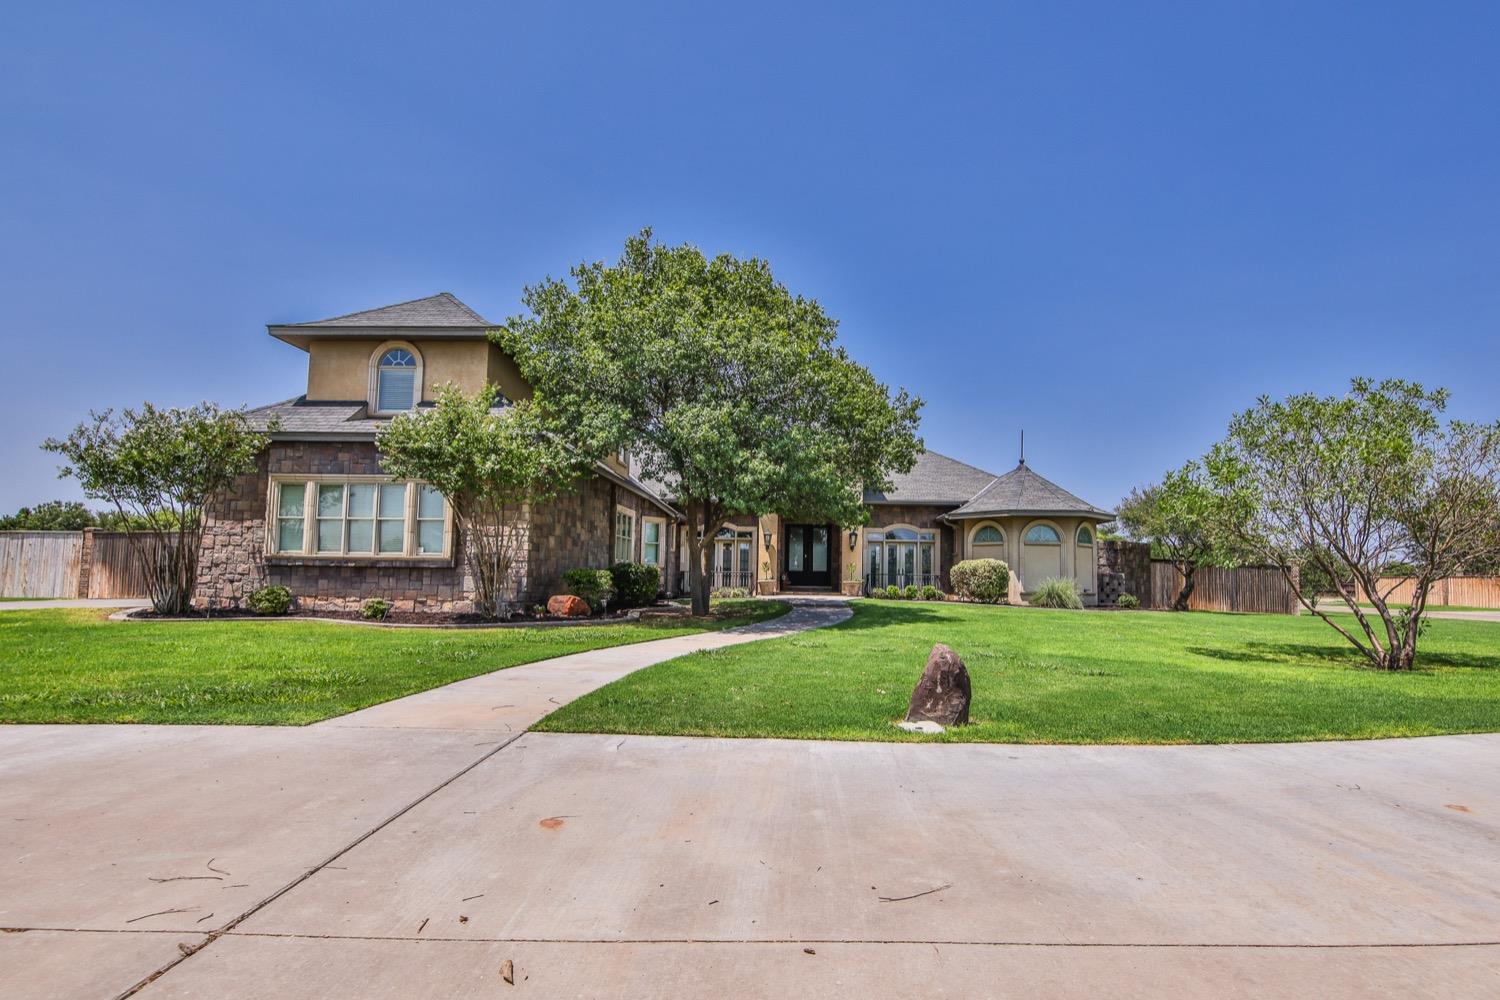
(1124, 568)
(572, 530)
(234, 561)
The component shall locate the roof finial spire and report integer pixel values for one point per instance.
(1023, 446)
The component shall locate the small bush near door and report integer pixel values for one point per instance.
(931, 593)
(985, 581)
(636, 584)
(1056, 593)
(1127, 601)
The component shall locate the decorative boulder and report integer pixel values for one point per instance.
(942, 695)
(568, 606)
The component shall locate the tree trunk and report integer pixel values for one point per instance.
(1183, 596)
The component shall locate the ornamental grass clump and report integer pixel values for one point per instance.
(1057, 593)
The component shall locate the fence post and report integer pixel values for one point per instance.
(85, 562)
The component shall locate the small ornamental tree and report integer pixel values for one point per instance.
(1356, 483)
(491, 465)
(727, 387)
(160, 469)
(1183, 519)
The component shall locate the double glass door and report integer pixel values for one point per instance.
(807, 555)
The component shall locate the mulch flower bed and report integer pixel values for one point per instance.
(394, 617)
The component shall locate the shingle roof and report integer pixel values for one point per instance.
(304, 419)
(435, 311)
(1022, 491)
(934, 479)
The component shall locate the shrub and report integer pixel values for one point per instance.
(273, 600)
(594, 586)
(636, 584)
(374, 610)
(911, 592)
(893, 592)
(1057, 593)
(726, 593)
(931, 593)
(1127, 601)
(984, 580)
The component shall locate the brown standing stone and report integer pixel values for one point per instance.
(942, 695)
(567, 606)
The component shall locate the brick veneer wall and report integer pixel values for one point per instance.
(919, 516)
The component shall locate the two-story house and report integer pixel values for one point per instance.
(320, 516)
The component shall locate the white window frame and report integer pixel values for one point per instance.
(661, 541)
(616, 537)
(374, 388)
(309, 550)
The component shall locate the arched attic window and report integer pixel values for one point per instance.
(989, 535)
(396, 380)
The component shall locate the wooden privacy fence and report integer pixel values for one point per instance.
(1260, 589)
(98, 564)
(40, 563)
(1465, 591)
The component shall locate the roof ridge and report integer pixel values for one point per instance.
(446, 295)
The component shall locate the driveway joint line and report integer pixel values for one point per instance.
(214, 935)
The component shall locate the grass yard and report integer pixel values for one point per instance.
(75, 666)
(1062, 677)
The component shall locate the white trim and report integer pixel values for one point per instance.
(661, 541)
(614, 535)
(373, 400)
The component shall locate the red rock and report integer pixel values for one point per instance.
(568, 606)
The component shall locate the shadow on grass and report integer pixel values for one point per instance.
(1294, 653)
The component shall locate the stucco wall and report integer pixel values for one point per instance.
(340, 369)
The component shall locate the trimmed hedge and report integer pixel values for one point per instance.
(636, 584)
(593, 586)
(986, 581)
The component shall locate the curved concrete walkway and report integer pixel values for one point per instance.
(413, 852)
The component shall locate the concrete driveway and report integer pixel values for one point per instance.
(413, 849)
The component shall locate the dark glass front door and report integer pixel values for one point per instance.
(806, 548)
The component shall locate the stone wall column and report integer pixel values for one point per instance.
(85, 562)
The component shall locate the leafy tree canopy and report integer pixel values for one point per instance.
(1184, 520)
(729, 388)
(1356, 483)
(489, 463)
(53, 515)
(161, 468)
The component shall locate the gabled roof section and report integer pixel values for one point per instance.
(934, 479)
(440, 315)
(1023, 491)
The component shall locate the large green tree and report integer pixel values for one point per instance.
(491, 464)
(729, 388)
(1356, 483)
(161, 468)
(1183, 519)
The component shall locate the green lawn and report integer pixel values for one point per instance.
(1062, 677)
(75, 666)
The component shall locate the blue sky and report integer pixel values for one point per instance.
(1110, 224)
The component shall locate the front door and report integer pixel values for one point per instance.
(807, 555)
